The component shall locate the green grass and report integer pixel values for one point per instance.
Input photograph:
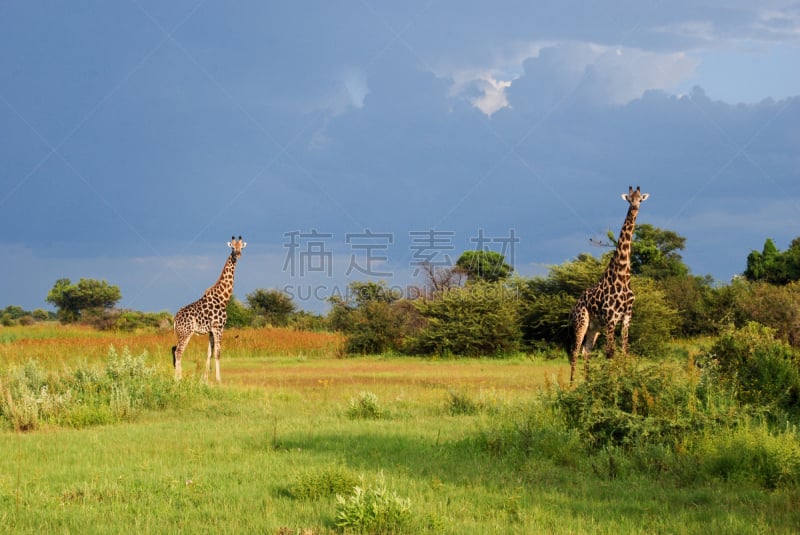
(270, 450)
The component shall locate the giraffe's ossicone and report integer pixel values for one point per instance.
(207, 315)
(609, 302)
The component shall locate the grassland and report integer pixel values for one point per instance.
(267, 451)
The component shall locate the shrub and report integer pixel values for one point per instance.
(761, 370)
(372, 508)
(481, 319)
(777, 307)
(626, 405)
(545, 317)
(653, 321)
(374, 318)
(132, 320)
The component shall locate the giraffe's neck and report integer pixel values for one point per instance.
(223, 288)
(620, 266)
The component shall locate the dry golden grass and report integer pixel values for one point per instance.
(54, 345)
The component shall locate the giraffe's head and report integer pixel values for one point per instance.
(236, 246)
(635, 197)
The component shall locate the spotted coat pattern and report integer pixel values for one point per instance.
(207, 315)
(609, 302)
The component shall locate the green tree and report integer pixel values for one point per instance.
(654, 253)
(274, 306)
(486, 266)
(791, 261)
(239, 314)
(572, 277)
(768, 265)
(694, 298)
(73, 300)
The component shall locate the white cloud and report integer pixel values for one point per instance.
(493, 97)
(604, 74)
(624, 74)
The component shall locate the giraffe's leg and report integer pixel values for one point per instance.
(177, 353)
(581, 325)
(626, 323)
(208, 355)
(217, 350)
(610, 328)
(588, 347)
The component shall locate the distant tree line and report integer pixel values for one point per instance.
(479, 306)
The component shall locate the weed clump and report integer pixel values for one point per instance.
(322, 483)
(372, 508)
(365, 407)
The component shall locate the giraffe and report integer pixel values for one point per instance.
(609, 301)
(207, 314)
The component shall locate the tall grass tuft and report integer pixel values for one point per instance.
(31, 397)
(373, 508)
(312, 484)
(365, 407)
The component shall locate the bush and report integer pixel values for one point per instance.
(375, 327)
(654, 321)
(693, 299)
(760, 370)
(481, 319)
(777, 307)
(628, 406)
(132, 320)
(374, 318)
(545, 317)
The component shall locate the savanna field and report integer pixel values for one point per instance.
(99, 438)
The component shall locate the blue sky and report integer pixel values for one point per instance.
(352, 140)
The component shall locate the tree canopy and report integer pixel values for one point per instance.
(275, 306)
(773, 266)
(486, 266)
(72, 300)
(654, 253)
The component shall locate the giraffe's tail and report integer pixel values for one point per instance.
(173, 355)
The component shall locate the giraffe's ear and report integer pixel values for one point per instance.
(244, 244)
(645, 196)
(230, 245)
(625, 197)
